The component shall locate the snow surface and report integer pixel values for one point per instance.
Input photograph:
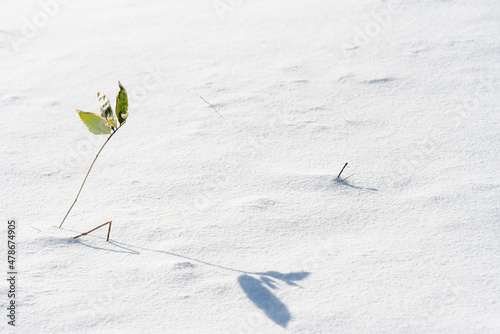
(236, 223)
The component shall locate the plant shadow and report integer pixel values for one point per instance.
(264, 299)
(120, 246)
(347, 184)
(121, 249)
(256, 285)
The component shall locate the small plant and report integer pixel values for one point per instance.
(104, 124)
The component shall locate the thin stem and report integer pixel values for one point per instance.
(342, 170)
(109, 230)
(211, 106)
(97, 155)
(348, 177)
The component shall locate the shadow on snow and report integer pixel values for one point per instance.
(256, 285)
(264, 299)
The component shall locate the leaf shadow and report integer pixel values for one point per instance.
(264, 299)
(287, 278)
(256, 285)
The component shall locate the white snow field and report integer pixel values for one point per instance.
(236, 223)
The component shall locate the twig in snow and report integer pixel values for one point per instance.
(342, 170)
(109, 230)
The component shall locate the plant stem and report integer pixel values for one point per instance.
(109, 230)
(342, 170)
(97, 155)
(348, 177)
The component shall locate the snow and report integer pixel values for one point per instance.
(236, 223)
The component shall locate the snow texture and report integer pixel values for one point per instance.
(228, 217)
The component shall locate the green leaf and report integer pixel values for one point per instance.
(106, 110)
(122, 104)
(96, 124)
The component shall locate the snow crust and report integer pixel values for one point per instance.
(236, 223)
